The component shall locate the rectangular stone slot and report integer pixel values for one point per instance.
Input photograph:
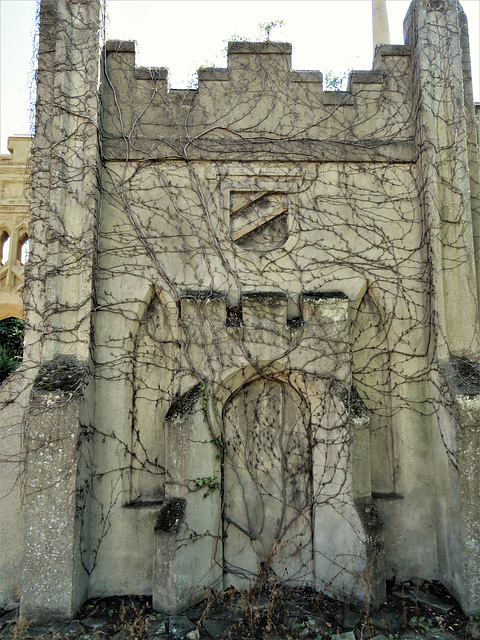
(234, 316)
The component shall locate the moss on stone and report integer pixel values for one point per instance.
(185, 403)
(64, 373)
(171, 516)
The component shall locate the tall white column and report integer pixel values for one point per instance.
(381, 32)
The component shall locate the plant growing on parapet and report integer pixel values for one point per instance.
(334, 82)
(236, 38)
(267, 27)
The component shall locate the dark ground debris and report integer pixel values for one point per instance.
(414, 610)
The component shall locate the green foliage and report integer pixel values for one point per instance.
(333, 82)
(11, 346)
(266, 27)
(209, 483)
(204, 405)
(422, 622)
(236, 38)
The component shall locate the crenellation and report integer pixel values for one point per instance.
(212, 74)
(151, 73)
(325, 312)
(309, 77)
(120, 46)
(264, 318)
(364, 78)
(260, 327)
(383, 53)
(196, 311)
(160, 108)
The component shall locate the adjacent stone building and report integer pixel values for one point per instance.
(253, 346)
(14, 214)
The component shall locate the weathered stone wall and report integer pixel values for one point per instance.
(267, 289)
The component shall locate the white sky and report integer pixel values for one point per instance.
(183, 34)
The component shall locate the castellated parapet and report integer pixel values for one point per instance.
(253, 310)
(301, 120)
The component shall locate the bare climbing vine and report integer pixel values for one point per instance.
(239, 278)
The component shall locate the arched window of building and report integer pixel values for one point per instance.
(4, 246)
(23, 249)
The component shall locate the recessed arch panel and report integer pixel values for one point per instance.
(267, 483)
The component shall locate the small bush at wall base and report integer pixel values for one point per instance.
(11, 346)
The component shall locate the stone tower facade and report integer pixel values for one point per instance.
(253, 342)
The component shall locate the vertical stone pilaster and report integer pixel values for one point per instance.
(473, 141)
(188, 543)
(434, 31)
(65, 175)
(468, 415)
(447, 168)
(59, 303)
(54, 582)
